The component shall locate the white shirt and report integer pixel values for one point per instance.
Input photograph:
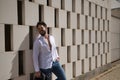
(43, 57)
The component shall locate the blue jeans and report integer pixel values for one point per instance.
(56, 69)
(48, 73)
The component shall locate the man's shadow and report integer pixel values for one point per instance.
(22, 63)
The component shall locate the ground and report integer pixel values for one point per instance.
(111, 74)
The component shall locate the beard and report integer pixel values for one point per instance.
(43, 33)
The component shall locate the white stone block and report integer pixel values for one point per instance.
(98, 12)
(101, 24)
(109, 14)
(8, 11)
(86, 7)
(108, 36)
(42, 2)
(90, 23)
(31, 13)
(98, 36)
(2, 38)
(106, 47)
(115, 54)
(92, 9)
(103, 13)
(109, 59)
(86, 65)
(9, 65)
(77, 6)
(101, 48)
(82, 51)
(68, 37)
(63, 55)
(78, 37)
(103, 36)
(93, 63)
(78, 68)
(96, 23)
(115, 25)
(56, 32)
(86, 36)
(62, 19)
(73, 53)
(82, 22)
(98, 60)
(114, 41)
(56, 3)
(20, 37)
(93, 37)
(28, 62)
(90, 50)
(73, 20)
(95, 49)
(106, 25)
(68, 5)
(48, 16)
(69, 71)
(103, 59)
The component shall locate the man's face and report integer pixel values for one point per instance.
(42, 30)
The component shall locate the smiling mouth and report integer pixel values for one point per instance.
(42, 32)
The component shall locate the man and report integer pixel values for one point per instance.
(45, 56)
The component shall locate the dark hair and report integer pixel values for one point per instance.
(41, 23)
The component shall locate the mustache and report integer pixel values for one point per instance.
(42, 32)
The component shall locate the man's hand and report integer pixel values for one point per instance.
(37, 74)
(58, 59)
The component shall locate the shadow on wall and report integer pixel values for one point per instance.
(22, 64)
(8, 65)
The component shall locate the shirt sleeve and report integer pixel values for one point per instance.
(56, 53)
(36, 55)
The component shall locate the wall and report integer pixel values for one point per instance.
(115, 39)
(115, 4)
(81, 29)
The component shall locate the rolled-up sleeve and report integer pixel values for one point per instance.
(56, 53)
(36, 48)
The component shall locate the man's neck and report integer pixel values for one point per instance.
(46, 36)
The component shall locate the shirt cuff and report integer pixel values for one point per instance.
(37, 70)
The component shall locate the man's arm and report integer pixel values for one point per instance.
(35, 56)
(56, 53)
